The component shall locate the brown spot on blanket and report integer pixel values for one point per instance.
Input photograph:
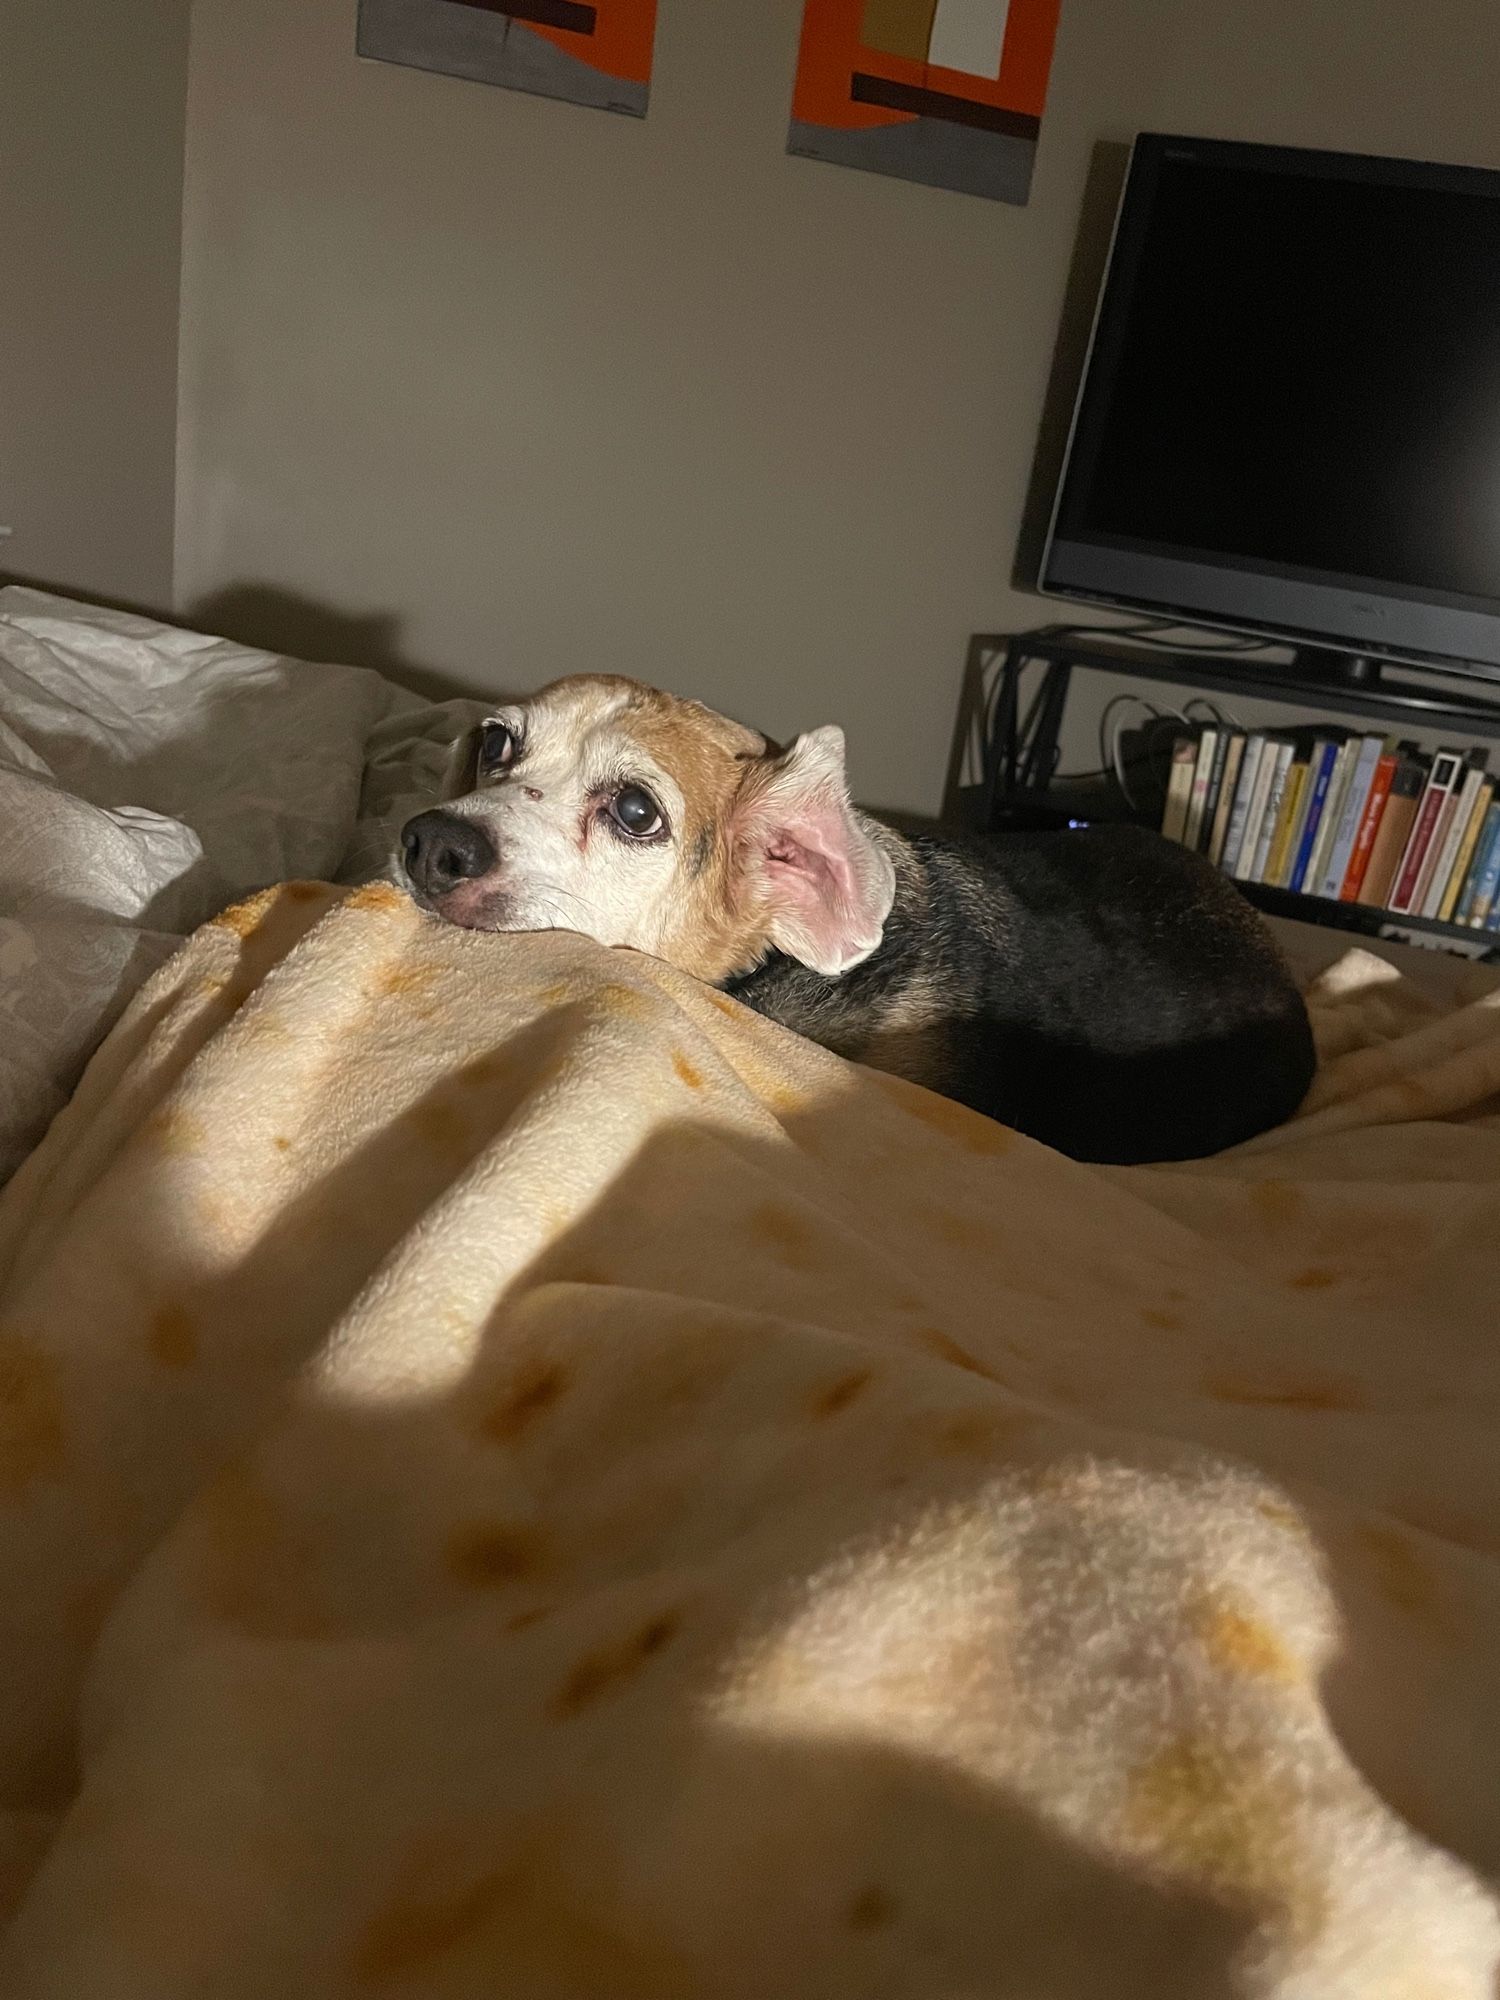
(1305, 1392)
(840, 1394)
(949, 1350)
(785, 1232)
(244, 919)
(607, 1666)
(172, 1336)
(1314, 1278)
(375, 896)
(401, 1938)
(529, 1396)
(172, 1131)
(1276, 1201)
(1244, 1645)
(871, 1909)
(32, 1431)
(954, 1121)
(489, 1554)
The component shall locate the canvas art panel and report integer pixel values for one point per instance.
(945, 92)
(597, 54)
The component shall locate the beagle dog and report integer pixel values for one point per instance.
(1102, 989)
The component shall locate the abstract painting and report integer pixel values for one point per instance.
(946, 92)
(597, 54)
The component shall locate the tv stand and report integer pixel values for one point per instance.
(1021, 737)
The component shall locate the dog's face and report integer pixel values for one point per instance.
(612, 809)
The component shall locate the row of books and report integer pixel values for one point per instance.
(1355, 818)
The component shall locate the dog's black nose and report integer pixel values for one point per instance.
(440, 850)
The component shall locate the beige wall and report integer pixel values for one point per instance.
(487, 385)
(91, 132)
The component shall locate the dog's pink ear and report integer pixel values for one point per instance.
(823, 885)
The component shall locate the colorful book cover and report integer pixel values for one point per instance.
(1250, 763)
(1228, 786)
(1463, 910)
(1279, 861)
(1325, 754)
(1215, 785)
(1472, 809)
(1208, 743)
(1333, 806)
(1441, 780)
(1433, 880)
(1179, 788)
(1364, 840)
(1394, 832)
(1281, 764)
(1436, 847)
(1304, 806)
(1487, 880)
(1367, 753)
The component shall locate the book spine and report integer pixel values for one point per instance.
(1472, 809)
(1227, 790)
(1322, 773)
(1394, 832)
(1487, 882)
(1331, 817)
(1463, 909)
(1207, 744)
(1215, 786)
(1361, 777)
(1429, 809)
(1179, 788)
(1244, 791)
(1299, 819)
(1441, 844)
(1278, 864)
(1364, 840)
(1255, 778)
(1283, 763)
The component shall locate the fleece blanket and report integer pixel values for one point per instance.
(522, 1479)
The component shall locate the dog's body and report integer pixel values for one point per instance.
(1105, 991)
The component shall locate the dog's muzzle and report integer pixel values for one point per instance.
(440, 850)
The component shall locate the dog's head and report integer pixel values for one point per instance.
(612, 809)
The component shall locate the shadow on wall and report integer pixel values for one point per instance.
(281, 621)
(1101, 198)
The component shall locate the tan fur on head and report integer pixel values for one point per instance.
(756, 847)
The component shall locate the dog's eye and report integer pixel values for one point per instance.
(497, 748)
(635, 812)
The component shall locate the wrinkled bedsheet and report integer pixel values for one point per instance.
(523, 1479)
(149, 776)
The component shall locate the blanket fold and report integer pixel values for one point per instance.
(521, 1478)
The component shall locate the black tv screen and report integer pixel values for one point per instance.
(1290, 416)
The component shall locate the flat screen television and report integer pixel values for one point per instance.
(1289, 420)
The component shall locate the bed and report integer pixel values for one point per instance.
(522, 1478)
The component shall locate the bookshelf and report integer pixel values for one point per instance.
(1022, 684)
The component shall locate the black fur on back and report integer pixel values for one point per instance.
(1102, 989)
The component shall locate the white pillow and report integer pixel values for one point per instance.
(149, 776)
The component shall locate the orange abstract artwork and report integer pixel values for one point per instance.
(946, 92)
(597, 54)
